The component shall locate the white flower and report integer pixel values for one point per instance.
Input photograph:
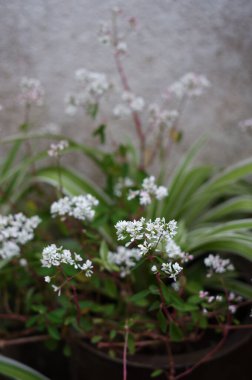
(9, 250)
(53, 256)
(80, 207)
(232, 308)
(149, 233)
(23, 262)
(32, 92)
(57, 149)
(104, 34)
(121, 110)
(88, 268)
(176, 286)
(121, 47)
(47, 279)
(172, 270)
(174, 252)
(57, 289)
(91, 87)
(125, 259)
(160, 118)
(154, 269)
(148, 190)
(190, 85)
(245, 125)
(203, 294)
(136, 103)
(122, 183)
(217, 265)
(15, 230)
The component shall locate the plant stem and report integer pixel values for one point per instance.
(171, 373)
(125, 351)
(60, 189)
(126, 87)
(205, 358)
(76, 301)
(29, 339)
(16, 317)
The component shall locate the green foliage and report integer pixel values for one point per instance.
(15, 370)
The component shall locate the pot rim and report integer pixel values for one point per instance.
(234, 340)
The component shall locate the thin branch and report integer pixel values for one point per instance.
(14, 342)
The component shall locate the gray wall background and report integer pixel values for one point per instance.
(50, 39)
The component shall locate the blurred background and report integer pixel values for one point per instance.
(50, 39)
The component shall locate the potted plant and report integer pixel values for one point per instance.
(142, 278)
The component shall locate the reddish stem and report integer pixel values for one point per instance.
(206, 357)
(30, 339)
(16, 317)
(135, 115)
(125, 352)
(76, 301)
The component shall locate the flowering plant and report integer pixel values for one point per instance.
(133, 264)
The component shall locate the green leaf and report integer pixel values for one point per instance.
(110, 288)
(139, 296)
(177, 182)
(96, 339)
(233, 285)
(54, 333)
(233, 243)
(217, 186)
(18, 371)
(156, 373)
(57, 316)
(237, 205)
(131, 344)
(100, 132)
(162, 321)
(175, 332)
(72, 183)
(9, 160)
(93, 110)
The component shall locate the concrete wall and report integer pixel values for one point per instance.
(50, 39)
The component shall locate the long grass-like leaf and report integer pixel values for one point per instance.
(176, 184)
(229, 243)
(238, 205)
(18, 371)
(72, 183)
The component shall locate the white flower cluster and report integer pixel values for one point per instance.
(245, 125)
(92, 86)
(171, 269)
(217, 265)
(104, 34)
(174, 252)
(190, 85)
(32, 92)
(148, 233)
(80, 207)
(53, 256)
(125, 259)
(132, 103)
(15, 230)
(148, 190)
(106, 38)
(122, 183)
(159, 118)
(57, 149)
(232, 297)
(204, 295)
